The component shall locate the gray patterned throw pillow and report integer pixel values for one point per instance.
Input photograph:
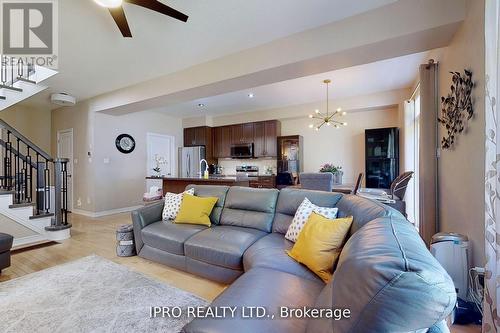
(302, 215)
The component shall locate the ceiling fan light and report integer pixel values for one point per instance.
(317, 111)
(328, 123)
(311, 125)
(317, 128)
(345, 124)
(109, 3)
(344, 113)
(310, 116)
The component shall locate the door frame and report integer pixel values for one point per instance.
(69, 130)
(172, 158)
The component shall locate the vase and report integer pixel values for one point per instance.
(337, 178)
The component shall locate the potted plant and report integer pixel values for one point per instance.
(160, 160)
(335, 170)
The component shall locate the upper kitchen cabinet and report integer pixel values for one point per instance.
(222, 141)
(266, 138)
(200, 136)
(242, 133)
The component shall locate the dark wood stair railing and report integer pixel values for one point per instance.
(27, 172)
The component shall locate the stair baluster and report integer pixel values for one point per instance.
(20, 172)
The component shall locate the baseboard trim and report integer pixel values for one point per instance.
(105, 212)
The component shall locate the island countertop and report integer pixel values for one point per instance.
(178, 184)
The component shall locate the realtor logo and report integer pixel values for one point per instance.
(29, 30)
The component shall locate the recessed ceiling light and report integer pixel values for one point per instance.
(201, 105)
(251, 95)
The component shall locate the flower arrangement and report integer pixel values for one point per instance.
(160, 160)
(329, 167)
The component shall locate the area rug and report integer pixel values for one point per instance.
(89, 295)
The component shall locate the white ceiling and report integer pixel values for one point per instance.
(94, 58)
(386, 75)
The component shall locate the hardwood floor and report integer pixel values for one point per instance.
(97, 236)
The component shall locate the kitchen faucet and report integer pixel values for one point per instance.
(204, 174)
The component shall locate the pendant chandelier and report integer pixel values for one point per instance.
(327, 118)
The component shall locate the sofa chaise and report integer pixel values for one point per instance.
(385, 275)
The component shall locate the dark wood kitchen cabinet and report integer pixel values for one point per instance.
(200, 136)
(242, 133)
(266, 138)
(222, 141)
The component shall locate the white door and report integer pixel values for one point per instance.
(161, 154)
(65, 150)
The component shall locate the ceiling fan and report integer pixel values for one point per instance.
(116, 9)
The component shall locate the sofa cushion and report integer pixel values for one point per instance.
(222, 245)
(363, 210)
(169, 237)
(5, 242)
(290, 199)
(212, 191)
(269, 252)
(250, 208)
(265, 288)
(389, 281)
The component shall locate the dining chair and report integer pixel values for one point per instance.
(358, 184)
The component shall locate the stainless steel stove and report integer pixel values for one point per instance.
(246, 172)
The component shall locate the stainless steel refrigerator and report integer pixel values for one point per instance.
(189, 161)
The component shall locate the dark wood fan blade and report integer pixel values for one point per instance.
(121, 20)
(160, 8)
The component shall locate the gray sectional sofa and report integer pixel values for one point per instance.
(385, 275)
(5, 246)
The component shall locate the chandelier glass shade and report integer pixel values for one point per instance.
(327, 118)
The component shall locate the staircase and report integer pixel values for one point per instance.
(20, 80)
(33, 191)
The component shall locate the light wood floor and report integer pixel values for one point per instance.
(97, 236)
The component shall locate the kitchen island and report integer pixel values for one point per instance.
(178, 185)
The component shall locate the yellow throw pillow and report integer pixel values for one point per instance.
(319, 244)
(196, 210)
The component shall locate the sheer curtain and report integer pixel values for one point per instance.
(411, 143)
(491, 322)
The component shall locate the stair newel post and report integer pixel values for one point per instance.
(60, 220)
(46, 182)
(17, 177)
(40, 185)
(29, 176)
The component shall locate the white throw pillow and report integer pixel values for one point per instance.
(173, 204)
(302, 215)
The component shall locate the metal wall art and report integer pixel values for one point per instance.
(457, 108)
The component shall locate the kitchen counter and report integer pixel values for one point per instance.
(178, 184)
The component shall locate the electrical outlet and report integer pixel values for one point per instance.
(79, 202)
(478, 270)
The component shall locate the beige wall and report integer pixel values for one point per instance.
(344, 146)
(461, 170)
(81, 120)
(33, 123)
(121, 182)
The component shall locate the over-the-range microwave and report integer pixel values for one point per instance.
(242, 151)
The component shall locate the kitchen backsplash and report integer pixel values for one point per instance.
(229, 166)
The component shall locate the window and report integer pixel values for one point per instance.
(411, 159)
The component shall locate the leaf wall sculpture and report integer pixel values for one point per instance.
(457, 108)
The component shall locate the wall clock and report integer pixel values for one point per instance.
(125, 143)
